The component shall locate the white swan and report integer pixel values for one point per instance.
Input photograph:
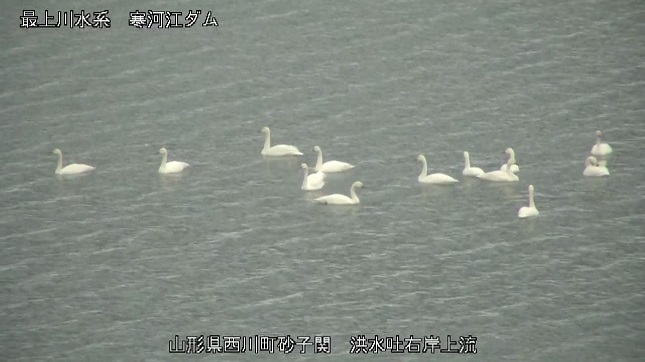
(71, 169)
(312, 182)
(435, 178)
(501, 176)
(531, 210)
(511, 154)
(338, 199)
(600, 149)
(277, 150)
(592, 168)
(172, 166)
(470, 171)
(330, 166)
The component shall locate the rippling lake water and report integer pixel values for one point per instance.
(112, 265)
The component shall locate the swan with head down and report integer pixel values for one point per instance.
(501, 176)
(338, 199)
(531, 210)
(435, 178)
(470, 171)
(312, 182)
(172, 166)
(600, 149)
(511, 154)
(71, 169)
(593, 169)
(330, 166)
(277, 150)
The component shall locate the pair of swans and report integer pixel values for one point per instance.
(312, 182)
(593, 168)
(505, 175)
(79, 168)
(476, 171)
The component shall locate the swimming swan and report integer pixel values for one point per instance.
(600, 149)
(501, 176)
(592, 168)
(531, 210)
(511, 154)
(330, 166)
(470, 171)
(312, 182)
(338, 199)
(435, 178)
(71, 169)
(277, 150)
(172, 166)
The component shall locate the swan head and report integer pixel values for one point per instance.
(358, 184)
(531, 189)
(304, 166)
(591, 160)
(421, 158)
(316, 149)
(57, 151)
(265, 130)
(466, 154)
(598, 134)
(509, 151)
(163, 151)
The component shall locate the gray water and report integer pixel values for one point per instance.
(114, 264)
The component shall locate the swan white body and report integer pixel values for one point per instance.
(338, 199)
(330, 166)
(277, 150)
(511, 154)
(172, 166)
(531, 210)
(312, 182)
(435, 178)
(470, 171)
(501, 176)
(600, 149)
(592, 169)
(71, 169)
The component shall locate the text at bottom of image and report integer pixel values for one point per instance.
(197, 344)
(101, 19)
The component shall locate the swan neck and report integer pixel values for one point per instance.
(304, 182)
(319, 161)
(59, 166)
(352, 193)
(598, 140)
(467, 160)
(164, 159)
(509, 164)
(531, 200)
(267, 141)
(424, 168)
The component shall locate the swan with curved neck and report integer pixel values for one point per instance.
(501, 176)
(172, 166)
(600, 149)
(338, 199)
(277, 150)
(71, 169)
(312, 182)
(330, 166)
(468, 170)
(531, 210)
(593, 169)
(435, 178)
(511, 154)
